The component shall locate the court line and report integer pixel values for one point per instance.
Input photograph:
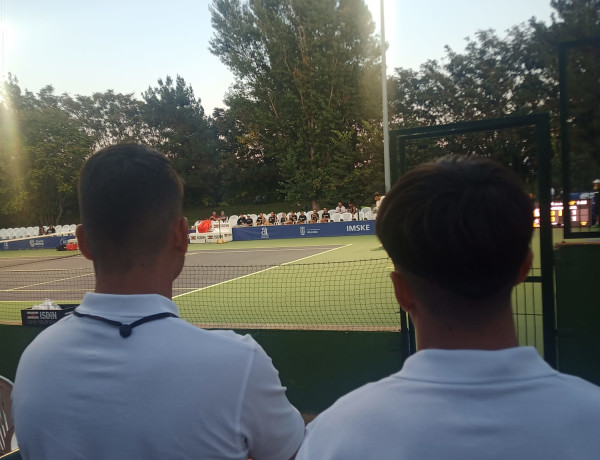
(47, 282)
(260, 271)
(48, 270)
(283, 248)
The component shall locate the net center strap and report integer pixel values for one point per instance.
(125, 329)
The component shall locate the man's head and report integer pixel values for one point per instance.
(596, 184)
(458, 228)
(130, 198)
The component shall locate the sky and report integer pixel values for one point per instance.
(86, 46)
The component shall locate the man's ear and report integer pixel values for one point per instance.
(82, 242)
(525, 267)
(403, 292)
(180, 235)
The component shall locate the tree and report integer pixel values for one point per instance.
(518, 74)
(178, 127)
(44, 157)
(305, 70)
(109, 117)
(576, 20)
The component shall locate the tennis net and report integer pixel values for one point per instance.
(348, 295)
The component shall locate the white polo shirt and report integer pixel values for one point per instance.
(463, 404)
(170, 390)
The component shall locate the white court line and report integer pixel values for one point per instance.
(260, 271)
(233, 251)
(50, 270)
(47, 282)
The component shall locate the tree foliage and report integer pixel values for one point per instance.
(518, 74)
(178, 127)
(45, 138)
(305, 71)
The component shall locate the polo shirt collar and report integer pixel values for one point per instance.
(475, 366)
(125, 308)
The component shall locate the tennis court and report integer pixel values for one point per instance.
(331, 283)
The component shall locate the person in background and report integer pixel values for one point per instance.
(272, 219)
(124, 376)
(213, 217)
(291, 218)
(314, 217)
(469, 391)
(223, 217)
(249, 221)
(261, 219)
(241, 222)
(50, 230)
(352, 210)
(340, 209)
(596, 204)
(283, 218)
(378, 200)
(325, 217)
(302, 218)
(41, 231)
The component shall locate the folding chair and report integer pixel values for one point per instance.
(7, 429)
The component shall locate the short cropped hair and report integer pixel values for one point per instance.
(129, 197)
(462, 224)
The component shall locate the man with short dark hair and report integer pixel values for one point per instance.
(124, 376)
(241, 222)
(470, 391)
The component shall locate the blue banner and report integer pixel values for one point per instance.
(39, 242)
(362, 227)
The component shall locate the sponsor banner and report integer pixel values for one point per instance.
(39, 242)
(359, 227)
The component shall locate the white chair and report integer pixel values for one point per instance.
(233, 220)
(58, 228)
(3, 233)
(72, 228)
(347, 216)
(335, 217)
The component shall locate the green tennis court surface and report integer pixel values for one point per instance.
(323, 283)
(330, 283)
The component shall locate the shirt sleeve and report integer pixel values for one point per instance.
(274, 429)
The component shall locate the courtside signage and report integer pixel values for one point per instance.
(304, 230)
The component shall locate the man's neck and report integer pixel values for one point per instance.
(495, 334)
(134, 283)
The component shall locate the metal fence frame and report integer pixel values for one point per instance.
(541, 124)
(565, 141)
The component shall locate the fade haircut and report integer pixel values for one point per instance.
(461, 226)
(129, 197)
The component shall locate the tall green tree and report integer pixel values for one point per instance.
(575, 21)
(44, 157)
(517, 74)
(305, 70)
(109, 117)
(177, 126)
